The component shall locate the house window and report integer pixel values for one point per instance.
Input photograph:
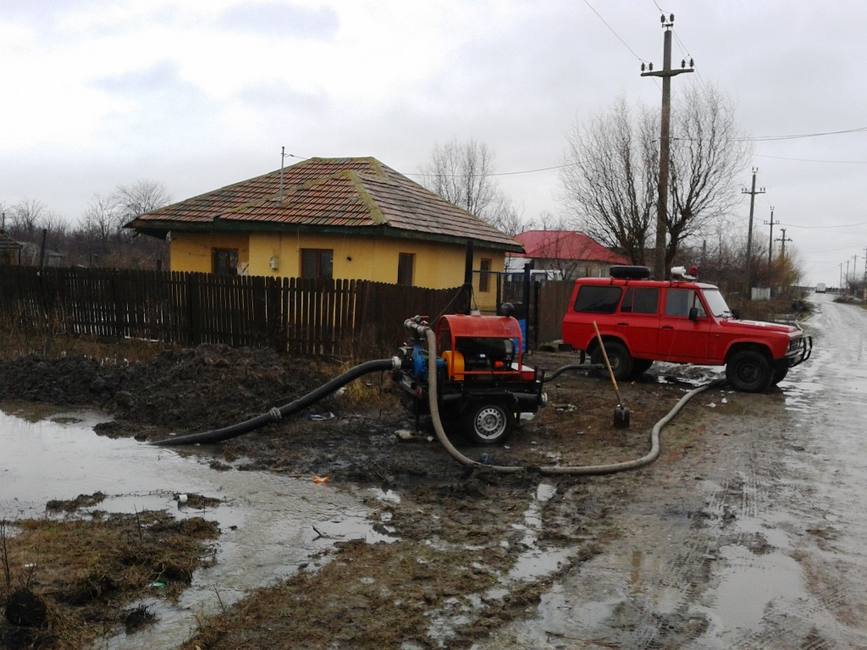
(317, 263)
(225, 261)
(405, 266)
(484, 276)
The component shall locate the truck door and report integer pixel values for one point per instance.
(638, 321)
(682, 339)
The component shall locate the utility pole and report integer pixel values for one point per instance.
(847, 274)
(865, 268)
(771, 223)
(841, 276)
(752, 192)
(664, 140)
(783, 241)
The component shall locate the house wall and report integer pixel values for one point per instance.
(437, 266)
(193, 252)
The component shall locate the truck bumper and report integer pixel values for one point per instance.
(802, 353)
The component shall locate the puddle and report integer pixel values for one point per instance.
(750, 586)
(266, 520)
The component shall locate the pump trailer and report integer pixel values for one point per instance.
(482, 382)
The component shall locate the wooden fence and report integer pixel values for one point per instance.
(552, 302)
(341, 318)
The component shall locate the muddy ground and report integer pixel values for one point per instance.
(68, 581)
(468, 542)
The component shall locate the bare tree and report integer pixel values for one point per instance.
(102, 218)
(608, 181)
(26, 216)
(706, 153)
(138, 198)
(461, 174)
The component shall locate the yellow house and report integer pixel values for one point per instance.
(332, 218)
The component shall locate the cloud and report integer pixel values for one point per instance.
(160, 77)
(277, 94)
(279, 19)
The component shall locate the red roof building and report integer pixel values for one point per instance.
(572, 253)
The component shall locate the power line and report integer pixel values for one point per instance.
(815, 160)
(777, 138)
(842, 225)
(800, 136)
(612, 30)
(510, 173)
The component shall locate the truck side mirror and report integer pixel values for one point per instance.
(693, 313)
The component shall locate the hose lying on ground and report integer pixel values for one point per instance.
(278, 413)
(562, 369)
(571, 470)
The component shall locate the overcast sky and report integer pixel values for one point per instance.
(197, 95)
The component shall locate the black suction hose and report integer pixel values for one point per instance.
(562, 369)
(278, 413)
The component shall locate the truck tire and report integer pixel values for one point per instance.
(619, 357)
(781, 369)
(640, 366)
(749, 371)
(488, 423)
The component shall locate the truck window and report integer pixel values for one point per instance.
(679, 302)
(597, 300)
(640, 300)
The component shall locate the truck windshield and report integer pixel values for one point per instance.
(717, 303)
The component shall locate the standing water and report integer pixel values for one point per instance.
(266, 520)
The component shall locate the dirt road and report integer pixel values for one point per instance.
(752, 538)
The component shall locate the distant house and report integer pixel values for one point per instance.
(564, 254)
(32, 255)
(10, 250)
(330, 218)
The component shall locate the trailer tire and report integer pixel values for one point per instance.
(488, 423)
(749, 371)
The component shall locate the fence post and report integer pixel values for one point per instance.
(193, 312)
(115, 299)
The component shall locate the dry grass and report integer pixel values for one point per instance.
(15, 343)
(87, 570)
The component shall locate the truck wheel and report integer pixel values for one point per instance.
(749, 371)
(488, 423)
(780, 372)
(640, 366)
(618, 356)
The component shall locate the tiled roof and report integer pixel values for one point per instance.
(566, 245)
(330, 192)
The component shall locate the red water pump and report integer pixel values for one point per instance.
(482, 382)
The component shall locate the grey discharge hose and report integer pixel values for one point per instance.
(278, 413)
(571, 470)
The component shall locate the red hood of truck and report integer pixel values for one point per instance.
(757, 325)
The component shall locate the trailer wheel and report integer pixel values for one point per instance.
(488, 423)
(749, 371)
